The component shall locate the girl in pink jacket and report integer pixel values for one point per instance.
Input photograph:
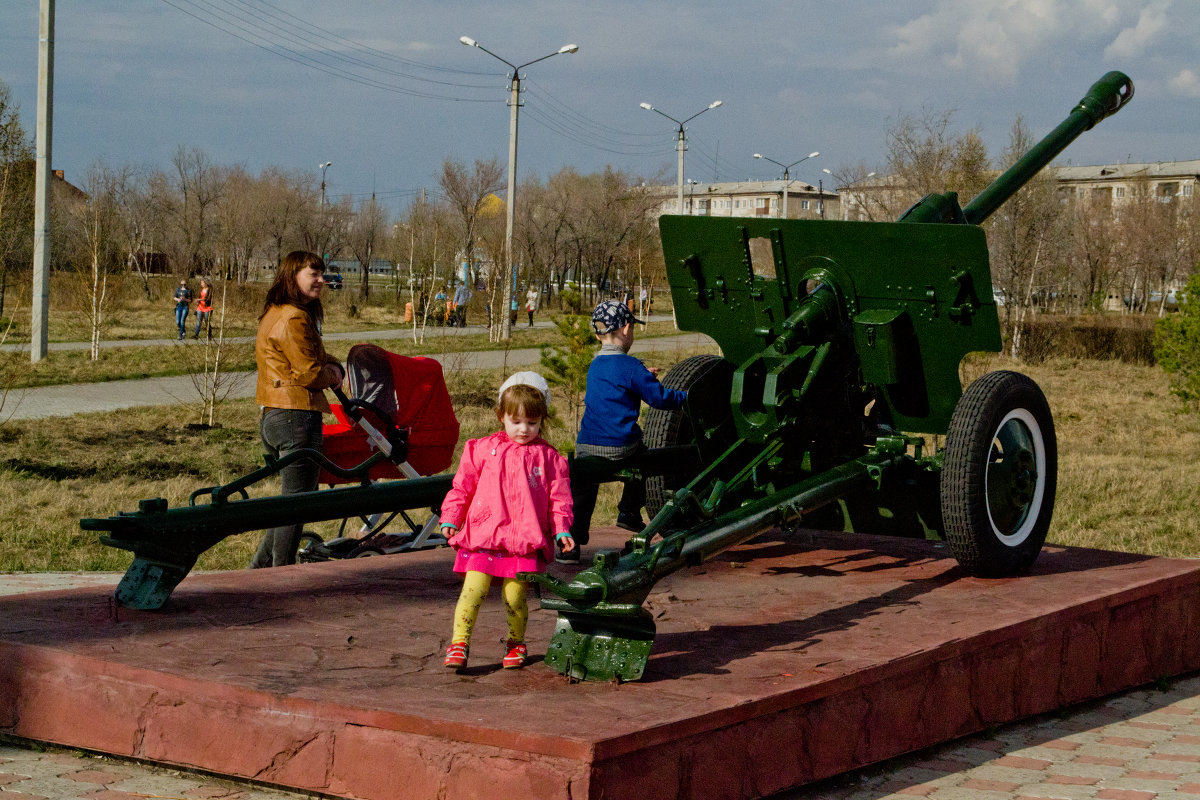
(511, 491)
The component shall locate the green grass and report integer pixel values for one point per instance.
(1126, 466)
(187, 357)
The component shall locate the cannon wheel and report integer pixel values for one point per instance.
(999, 475)
(666, 428)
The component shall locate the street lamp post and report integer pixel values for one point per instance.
(514, 103)
(845, 212)
(786, 180)
(821, 191)
(681, 140)
(323, 167)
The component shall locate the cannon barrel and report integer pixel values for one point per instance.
(1106, 97)
(154, 520)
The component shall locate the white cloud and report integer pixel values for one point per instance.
(1132, 42)
(1186, 83)
(992, 40)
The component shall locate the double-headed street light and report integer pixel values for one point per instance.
(786, 179)
(514, 104)
(681, 140)
(845, 214)
(821, 190)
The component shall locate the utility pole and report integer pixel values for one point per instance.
(39, 333)
(680, 141)
(514, 105)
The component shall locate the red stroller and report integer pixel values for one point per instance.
(398, 406)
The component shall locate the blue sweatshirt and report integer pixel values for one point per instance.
(617, 383)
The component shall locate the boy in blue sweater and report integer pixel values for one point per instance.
(617, 384)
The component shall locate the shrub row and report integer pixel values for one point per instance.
(1129, 339)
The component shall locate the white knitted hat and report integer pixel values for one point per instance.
(528, 379)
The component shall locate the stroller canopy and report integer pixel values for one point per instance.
(411, 390)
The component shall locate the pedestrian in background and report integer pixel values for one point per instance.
(293, 373)
(204, 309)
(531, 303)
(183, 303)
(462, 297)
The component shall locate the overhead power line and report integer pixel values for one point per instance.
(269, 27)
(270, 37)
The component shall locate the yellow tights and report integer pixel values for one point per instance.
(475, 589)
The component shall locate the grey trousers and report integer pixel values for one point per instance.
(284, 430)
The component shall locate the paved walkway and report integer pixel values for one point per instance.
(1143, 744)
(67, 399)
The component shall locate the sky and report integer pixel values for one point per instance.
(385, 91)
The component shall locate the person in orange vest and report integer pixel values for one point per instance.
(204, 309)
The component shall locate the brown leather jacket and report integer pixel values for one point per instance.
(291, 361)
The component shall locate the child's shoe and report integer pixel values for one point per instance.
(516, 655)
(456, 655)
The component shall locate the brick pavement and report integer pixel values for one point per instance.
(28, 773)
(1143, 744)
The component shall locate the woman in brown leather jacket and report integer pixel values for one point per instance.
(293, 372)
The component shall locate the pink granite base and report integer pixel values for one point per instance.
(781, 662)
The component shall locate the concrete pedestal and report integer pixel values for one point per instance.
(781, 662)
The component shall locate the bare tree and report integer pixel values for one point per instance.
(1090, 255)
(196, 187)
(467, 193)
(16, 193)
(206, 363)
(864, 195)
(1146, 244)
(1020, 236)
(141, 218)
(290, 212)
(925, 156)
(101, 233)
(543, 227)
(367, 229)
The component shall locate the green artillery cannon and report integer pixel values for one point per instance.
(166, 542)
(841, 344)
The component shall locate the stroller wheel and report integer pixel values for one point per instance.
(366, 550)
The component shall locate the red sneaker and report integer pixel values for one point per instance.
(456, 655)
(516, 655)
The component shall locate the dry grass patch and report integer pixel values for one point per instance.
(1127, 465)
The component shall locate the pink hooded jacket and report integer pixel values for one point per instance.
(509, 497)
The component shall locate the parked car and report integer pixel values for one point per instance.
(998, 296)
(333, 280)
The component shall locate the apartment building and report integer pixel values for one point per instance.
(750, 199)
(1111, 185)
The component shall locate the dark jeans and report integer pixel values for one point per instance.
(583, 499)
(181, 315)
(284, 430)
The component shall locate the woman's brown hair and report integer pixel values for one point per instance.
(285, 290)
